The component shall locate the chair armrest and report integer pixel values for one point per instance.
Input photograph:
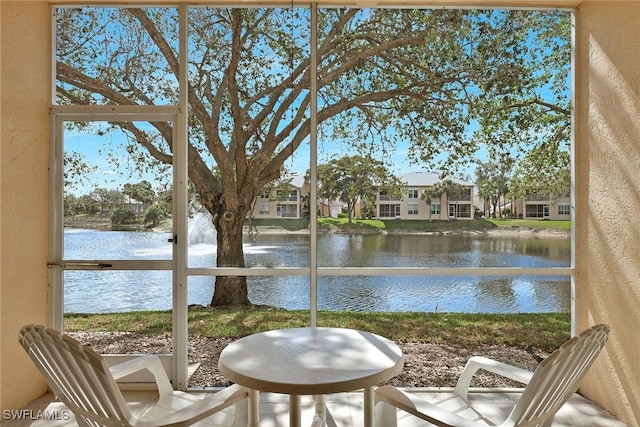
(421, 408)
(475, 363)
(149, 362)
(201, 409)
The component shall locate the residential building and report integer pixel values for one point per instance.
(546, 206)
(540, 206)
(283, 201)
(412, 206)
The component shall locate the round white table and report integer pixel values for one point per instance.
(311, 361)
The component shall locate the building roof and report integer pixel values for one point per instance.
(295, 179)
(425, 179)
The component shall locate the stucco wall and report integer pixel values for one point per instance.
(24, 135)
(608, 159)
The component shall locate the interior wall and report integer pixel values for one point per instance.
(608, 192)
(24, 152)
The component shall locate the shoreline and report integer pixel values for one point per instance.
(101, 224)
(500, 231)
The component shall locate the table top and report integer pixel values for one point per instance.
(311, 360)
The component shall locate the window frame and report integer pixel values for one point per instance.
(436, 208)
(313, 271)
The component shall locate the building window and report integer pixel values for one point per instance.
(288, 211)
(265, 194)
(537, 211)
(389, 210)
(413, 193)
(264, 208)
(464, 211)
(413, 209)
(435, 208)
(290, 195)
(564, 209)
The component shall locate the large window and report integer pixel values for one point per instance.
(564, 209)
(537, 211)
(388, 210)
(435, 208)
(205, 120)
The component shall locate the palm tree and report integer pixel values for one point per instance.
(429, 193)
(449, 188)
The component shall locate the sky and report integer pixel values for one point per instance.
(93, 148)
(106, 174)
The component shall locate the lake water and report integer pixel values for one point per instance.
(109, 291)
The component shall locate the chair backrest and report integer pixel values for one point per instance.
(77, 375)
(558, 377)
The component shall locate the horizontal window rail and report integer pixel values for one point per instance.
(112, 264)
(383, 271)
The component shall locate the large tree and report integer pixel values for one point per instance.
(525, 115)
(402, 75)
(354, 179)
(493, 178)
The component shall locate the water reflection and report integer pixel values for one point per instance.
(121, 291)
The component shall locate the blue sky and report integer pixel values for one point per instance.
(107, 174)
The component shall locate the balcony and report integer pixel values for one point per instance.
(389, 198)
(460, 198)
(537, 198)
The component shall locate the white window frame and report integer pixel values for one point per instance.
(182, 272)
(436, 208)
(392, 209)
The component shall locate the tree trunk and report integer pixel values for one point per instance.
(230, 290)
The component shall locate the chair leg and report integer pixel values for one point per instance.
(385, 415)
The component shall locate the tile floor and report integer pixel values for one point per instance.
(344, 409)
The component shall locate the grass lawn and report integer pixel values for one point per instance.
(531, 223)
(541, 330)
(415, 225)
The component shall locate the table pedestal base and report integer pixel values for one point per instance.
(254, 411)
(295, 410)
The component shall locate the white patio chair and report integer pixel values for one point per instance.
(554, 381)
(81, 379)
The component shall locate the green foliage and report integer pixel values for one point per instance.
(76, 169)
(83, 205)
(123, 215)
(155, 214)
(352, 179)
